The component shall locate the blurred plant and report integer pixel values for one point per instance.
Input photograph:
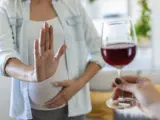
(143, 25)
(92, 0)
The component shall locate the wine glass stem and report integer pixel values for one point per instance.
(119, 75)
(119, 72)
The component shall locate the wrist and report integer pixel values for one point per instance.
(82, 82)
(30, 74)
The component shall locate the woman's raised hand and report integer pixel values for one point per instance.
(45, 61)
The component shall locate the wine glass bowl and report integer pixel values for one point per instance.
(119, 54)
(118, 49)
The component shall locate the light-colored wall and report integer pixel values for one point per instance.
(156, 31)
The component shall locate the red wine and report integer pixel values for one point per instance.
(119, 54)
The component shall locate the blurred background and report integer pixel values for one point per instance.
(145, 16)
(139, 11)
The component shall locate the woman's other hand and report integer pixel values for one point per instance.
(70, 88)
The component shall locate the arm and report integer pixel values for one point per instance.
(45, 62)
(10, 64)
(15, 68)
(93, 42)
(90, 71)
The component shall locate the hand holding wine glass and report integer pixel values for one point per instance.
(145, 92)
(118, 50)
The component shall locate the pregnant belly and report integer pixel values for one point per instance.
(40, 93)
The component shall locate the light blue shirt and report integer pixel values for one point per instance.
(80, 36)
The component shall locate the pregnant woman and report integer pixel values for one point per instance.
(51, 50)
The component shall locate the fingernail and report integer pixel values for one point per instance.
(118, 81)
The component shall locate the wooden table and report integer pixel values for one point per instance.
(99, 108)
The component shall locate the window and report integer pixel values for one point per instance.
(107, 8)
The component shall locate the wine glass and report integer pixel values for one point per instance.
(118, 48)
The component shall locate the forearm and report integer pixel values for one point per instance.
(15, 68)
(90, 72)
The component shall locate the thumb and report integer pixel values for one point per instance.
(128, 87)
(60, 52)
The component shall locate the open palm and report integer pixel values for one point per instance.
(45, 61)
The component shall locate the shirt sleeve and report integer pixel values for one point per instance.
(7, 45)
(92, 38)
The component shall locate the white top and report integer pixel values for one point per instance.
(40, 93)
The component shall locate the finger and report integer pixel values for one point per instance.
(51, 38)
(47, 37)
(130, 79)
(57, 104)
(114, 85)
(42, 41)
(36, 55)
(125, 94)
(128, 87)
(36, 49)
(62, 84)
(134, 79)
(128, 94)
(58, 96)
(49, 102)
(54, 100)
(116, 94)
(60, 52)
